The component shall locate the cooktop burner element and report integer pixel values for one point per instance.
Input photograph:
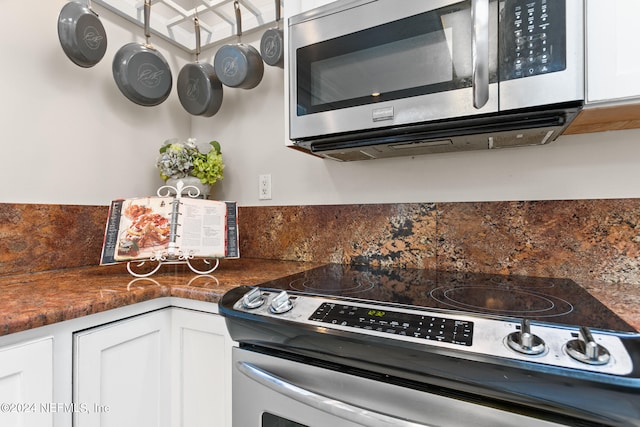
(505, 301)
(536, 298)
(329, 287)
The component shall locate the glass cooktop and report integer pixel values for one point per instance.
(552, 300)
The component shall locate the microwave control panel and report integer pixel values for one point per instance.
(532, 38)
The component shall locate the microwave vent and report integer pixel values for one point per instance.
(350, 156)
(516, 128)
(418, 144)
(520, 138)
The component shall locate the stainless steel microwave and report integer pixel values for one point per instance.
(382, 78)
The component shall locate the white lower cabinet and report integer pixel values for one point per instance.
(170, 367)
(26, 384)
(201, 376)
(122, 371)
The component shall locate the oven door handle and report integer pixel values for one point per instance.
(325, 404)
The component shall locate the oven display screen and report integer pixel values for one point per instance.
(406, 324)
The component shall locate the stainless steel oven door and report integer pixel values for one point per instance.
(270, 391)
(362, 64)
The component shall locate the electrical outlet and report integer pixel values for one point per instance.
(264, 187)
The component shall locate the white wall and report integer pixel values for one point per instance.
(67, 134)
(600, 165)
(251, 129)
(70, 137)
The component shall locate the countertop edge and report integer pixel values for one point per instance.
(29, 301)
(59, 295)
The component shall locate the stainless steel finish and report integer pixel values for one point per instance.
(489, 338)
(586, 350)
(480, 51)
(354, 16)
(289, 389)
(402, 116)
(253, 298)
(281, 303)
(554, 87)
(482, 141)
(524, 341)
(325, 404)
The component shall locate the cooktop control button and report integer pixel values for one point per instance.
(523, 341)
(281, 303)
(253, 299)
(584, 349)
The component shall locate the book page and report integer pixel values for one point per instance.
(144, 229)
(202, 228)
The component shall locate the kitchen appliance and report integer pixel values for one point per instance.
(344, 345)
(381, 78)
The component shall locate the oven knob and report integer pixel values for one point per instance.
(523, 341)
(584, 349)
(281, 303)
(253, 298)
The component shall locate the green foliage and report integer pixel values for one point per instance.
(179, 159)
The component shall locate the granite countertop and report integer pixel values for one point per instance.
(32, 300)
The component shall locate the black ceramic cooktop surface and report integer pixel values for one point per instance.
(552, 300)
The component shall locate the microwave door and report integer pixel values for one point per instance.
(387, 63)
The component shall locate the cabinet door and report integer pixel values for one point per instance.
(613, 65)
(201, 379)
(26, 384)
(122, 373)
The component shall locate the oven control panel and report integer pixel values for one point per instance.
(427, 326)
(548, 344)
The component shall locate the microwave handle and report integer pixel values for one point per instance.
(323, 403)
(480, 51)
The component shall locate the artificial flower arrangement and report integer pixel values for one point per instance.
(180, 159)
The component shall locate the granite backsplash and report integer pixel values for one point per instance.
(595, 240)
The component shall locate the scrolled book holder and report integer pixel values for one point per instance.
(176, 226)
(173, 255)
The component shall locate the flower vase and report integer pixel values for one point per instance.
(188, 185)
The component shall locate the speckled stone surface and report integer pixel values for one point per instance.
(402, 235)
(43, 237)
(581, 240)
(593, 242)
(31, 300)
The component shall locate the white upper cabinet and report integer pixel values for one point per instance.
(293, 7)
(613, 59)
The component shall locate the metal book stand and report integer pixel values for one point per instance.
(174, 255)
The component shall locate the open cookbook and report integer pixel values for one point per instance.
(153, 227)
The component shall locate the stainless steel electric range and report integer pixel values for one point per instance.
(347, 345)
